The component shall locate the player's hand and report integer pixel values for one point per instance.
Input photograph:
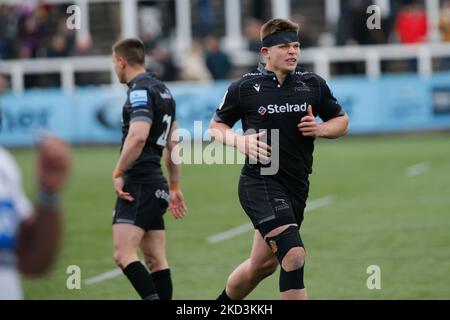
(53, 164)
(176, 204)
(119, 183)
(308, 125)
(256, 150)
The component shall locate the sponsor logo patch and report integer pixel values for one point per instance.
(262, 110)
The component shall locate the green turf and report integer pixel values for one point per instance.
(379, 217)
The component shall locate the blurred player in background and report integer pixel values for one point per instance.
(278, 97)
(143, 194)
(30, 237)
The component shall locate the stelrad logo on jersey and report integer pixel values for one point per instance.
(285, 108)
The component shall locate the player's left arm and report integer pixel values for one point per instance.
(334, 128)
(177, 205)
(331, 129)
(335, 119)
(132, 148)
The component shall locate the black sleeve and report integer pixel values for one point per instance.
(141, 104)
(329, 107)
(174, 105)
(229, 111)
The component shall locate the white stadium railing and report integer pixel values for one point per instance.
(321, 58)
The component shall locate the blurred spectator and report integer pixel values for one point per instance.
(3, 84)
(252, 34)
(205, 18)
(217, 61)
(352, 25)
(8, 31)
(32, 29)
(160, 62)
(260, 9)
(444, 21)
(411, 24)
(68, 34)
(58, 47)
(4, 43)
(444, 26)
(411, 27)
(31, 34)
(150, 41)
(24, 30)
(194, 67)
(150, 26)
(304, 34)
(352, 31)
(84, 47)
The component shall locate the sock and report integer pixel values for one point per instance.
(141, 280)
(163, 284)
(223, 296)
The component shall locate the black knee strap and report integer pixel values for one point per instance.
(291, 280)
(285, 241)
(280, 245)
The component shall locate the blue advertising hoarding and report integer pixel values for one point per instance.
(93, 115)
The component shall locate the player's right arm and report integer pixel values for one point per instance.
(132, 148)
(247, 144)
(140, 122)
(177, 205)
(228, 113)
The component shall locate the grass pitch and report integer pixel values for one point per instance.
(381, 214)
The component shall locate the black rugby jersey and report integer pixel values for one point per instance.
(263, 104)
(148, 99)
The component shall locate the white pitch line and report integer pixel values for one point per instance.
(418, 169)
(111, 274)
(103, 277)
(318, 203)
(219, 237)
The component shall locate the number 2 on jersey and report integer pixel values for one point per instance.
(162, 140)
